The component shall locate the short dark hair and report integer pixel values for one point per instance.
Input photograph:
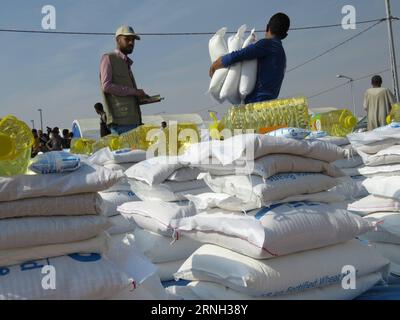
(376, 81)
(98, 107)
(279, 25)
(65, 132)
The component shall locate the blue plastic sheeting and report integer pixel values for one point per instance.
(391, 291)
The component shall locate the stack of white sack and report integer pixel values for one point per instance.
(164, 178)
(379, 150)
(383, 207)
(51, 220)
(261, 170)
(123, 251)
(237, 81)
(120, 192)
(155, 238)
(297, 250)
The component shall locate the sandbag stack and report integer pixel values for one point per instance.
(56, 220)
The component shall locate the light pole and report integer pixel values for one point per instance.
(351, 80)
(41, 119)
(33, 124)
(392, 51)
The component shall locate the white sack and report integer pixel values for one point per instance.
(9, 257)
(230, 88)
(248, 75)
(74, 205)
(168, 191)
(154, 170)
(201, 290)
(86, 179)
(217, 48)
(285, 275)
(255, 190)
(161, 249)
(371, 204)
(270, 165)
(36, 231)
(388, 187)
(111, 200)
(79, 277)
(387, 227)
(276, 231)
(254, 146)
(156, 215)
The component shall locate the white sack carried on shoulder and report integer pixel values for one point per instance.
(111, 200)
(271, 231)
(79, 277)
(254, 189)
(387, 227)
(36, 231)
(371, 204)
(388, 187)
(156, 215)
(9, 257)
(281, 276)
(161, 249)
(201, 290)
(248, 75)
(169, 191)
(230, 88)
(217, 47)
(74, 205)
(254, 146)
(89, 178)
(155, 170)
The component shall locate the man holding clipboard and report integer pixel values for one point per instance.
(122, 98)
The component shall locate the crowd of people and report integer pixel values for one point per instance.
(50, 140)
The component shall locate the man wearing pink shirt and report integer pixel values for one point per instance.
(120, 93)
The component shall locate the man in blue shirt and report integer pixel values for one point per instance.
(271, 60)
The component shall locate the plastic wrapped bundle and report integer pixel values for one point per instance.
(269, 115)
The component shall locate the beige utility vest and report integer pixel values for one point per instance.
(121, 110)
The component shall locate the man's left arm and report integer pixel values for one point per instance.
(253, 51)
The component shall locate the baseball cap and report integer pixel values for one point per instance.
(126, 31)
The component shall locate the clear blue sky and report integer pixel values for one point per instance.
(60, 73)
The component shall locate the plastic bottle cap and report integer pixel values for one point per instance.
(350, 122)
(7, 147)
